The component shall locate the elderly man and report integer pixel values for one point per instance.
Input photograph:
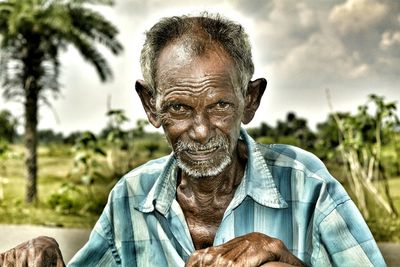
(220, 199)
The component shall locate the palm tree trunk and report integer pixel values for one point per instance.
(31, 140)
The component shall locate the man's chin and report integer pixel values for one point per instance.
(204, 168)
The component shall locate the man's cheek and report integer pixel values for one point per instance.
(228, 124)
(174, 129)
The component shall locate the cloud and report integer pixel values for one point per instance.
(357, 15)
(301, 46)
(258, 9)
(389, 39)
(366, 26)
(287, 26)
(319, 62)
(311, 44)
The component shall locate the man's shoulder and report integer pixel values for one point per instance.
(302, 174)
(290, 156)
(139, 181)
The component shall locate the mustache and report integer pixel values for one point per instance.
(215, 142)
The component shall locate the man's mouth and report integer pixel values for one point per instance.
(201, 154)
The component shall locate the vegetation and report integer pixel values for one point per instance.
(361, 140)
(8, 129)
(77, 171)
(74, 180)
(33, 32)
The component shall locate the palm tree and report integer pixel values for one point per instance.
(32, 35)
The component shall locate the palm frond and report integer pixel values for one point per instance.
(7, 6)
(55, 23)
(92, 2)
(90, 53)
(96, 27)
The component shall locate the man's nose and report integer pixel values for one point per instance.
(201, 129)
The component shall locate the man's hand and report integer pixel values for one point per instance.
(251, 250)
(42, 251)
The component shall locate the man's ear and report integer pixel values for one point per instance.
(148, 102)
(255, 91)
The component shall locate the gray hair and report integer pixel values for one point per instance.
(230, 35)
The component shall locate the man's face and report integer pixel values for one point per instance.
(200, 106)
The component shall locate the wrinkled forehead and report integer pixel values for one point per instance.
(193, 59)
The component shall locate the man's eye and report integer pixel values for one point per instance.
(223, 105)
(177, 107)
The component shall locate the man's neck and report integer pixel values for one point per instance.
(204, 200)
(205, 189)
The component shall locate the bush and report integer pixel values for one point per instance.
(385, 229)
(66, 199)
(265, 140)
(63, 203)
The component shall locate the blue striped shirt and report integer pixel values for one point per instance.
(285, 193)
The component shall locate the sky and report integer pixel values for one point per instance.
(303, 48)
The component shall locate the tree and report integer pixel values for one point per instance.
(328, 136)
(360, 145)
(33, 33)
(121, 148)
(295, 127)
(8, 125)
(263, 130)
(48, 136)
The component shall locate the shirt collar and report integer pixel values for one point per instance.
(163, 192)
(257, 183)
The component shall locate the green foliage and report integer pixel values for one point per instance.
(265, 140)
(65, 200)
(362, 137)
(48, 136)
(87, 166)
(87, 150)
(72, 138)
(117, 118)
(293, 131)
(57, 149)
(70, 199)
(152, 146)
(99, 162)
(4, 149)
(4, 153)
(385, 229)
(53, 172)
(33, 32)
(362, 148)
(114, 133)
(328, 137)
(8, 126)
(120, 150)
(262, 131)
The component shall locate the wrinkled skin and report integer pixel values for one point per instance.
(198, 98)
(42, 251)
(254, 249)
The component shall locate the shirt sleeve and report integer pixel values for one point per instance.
(100, 250)
(344, 239)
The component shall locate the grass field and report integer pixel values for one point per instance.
(383, 227)
(54, 170)
(55, 165)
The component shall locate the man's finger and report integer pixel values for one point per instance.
(276, 264)
(9, 258)
(21, 257)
